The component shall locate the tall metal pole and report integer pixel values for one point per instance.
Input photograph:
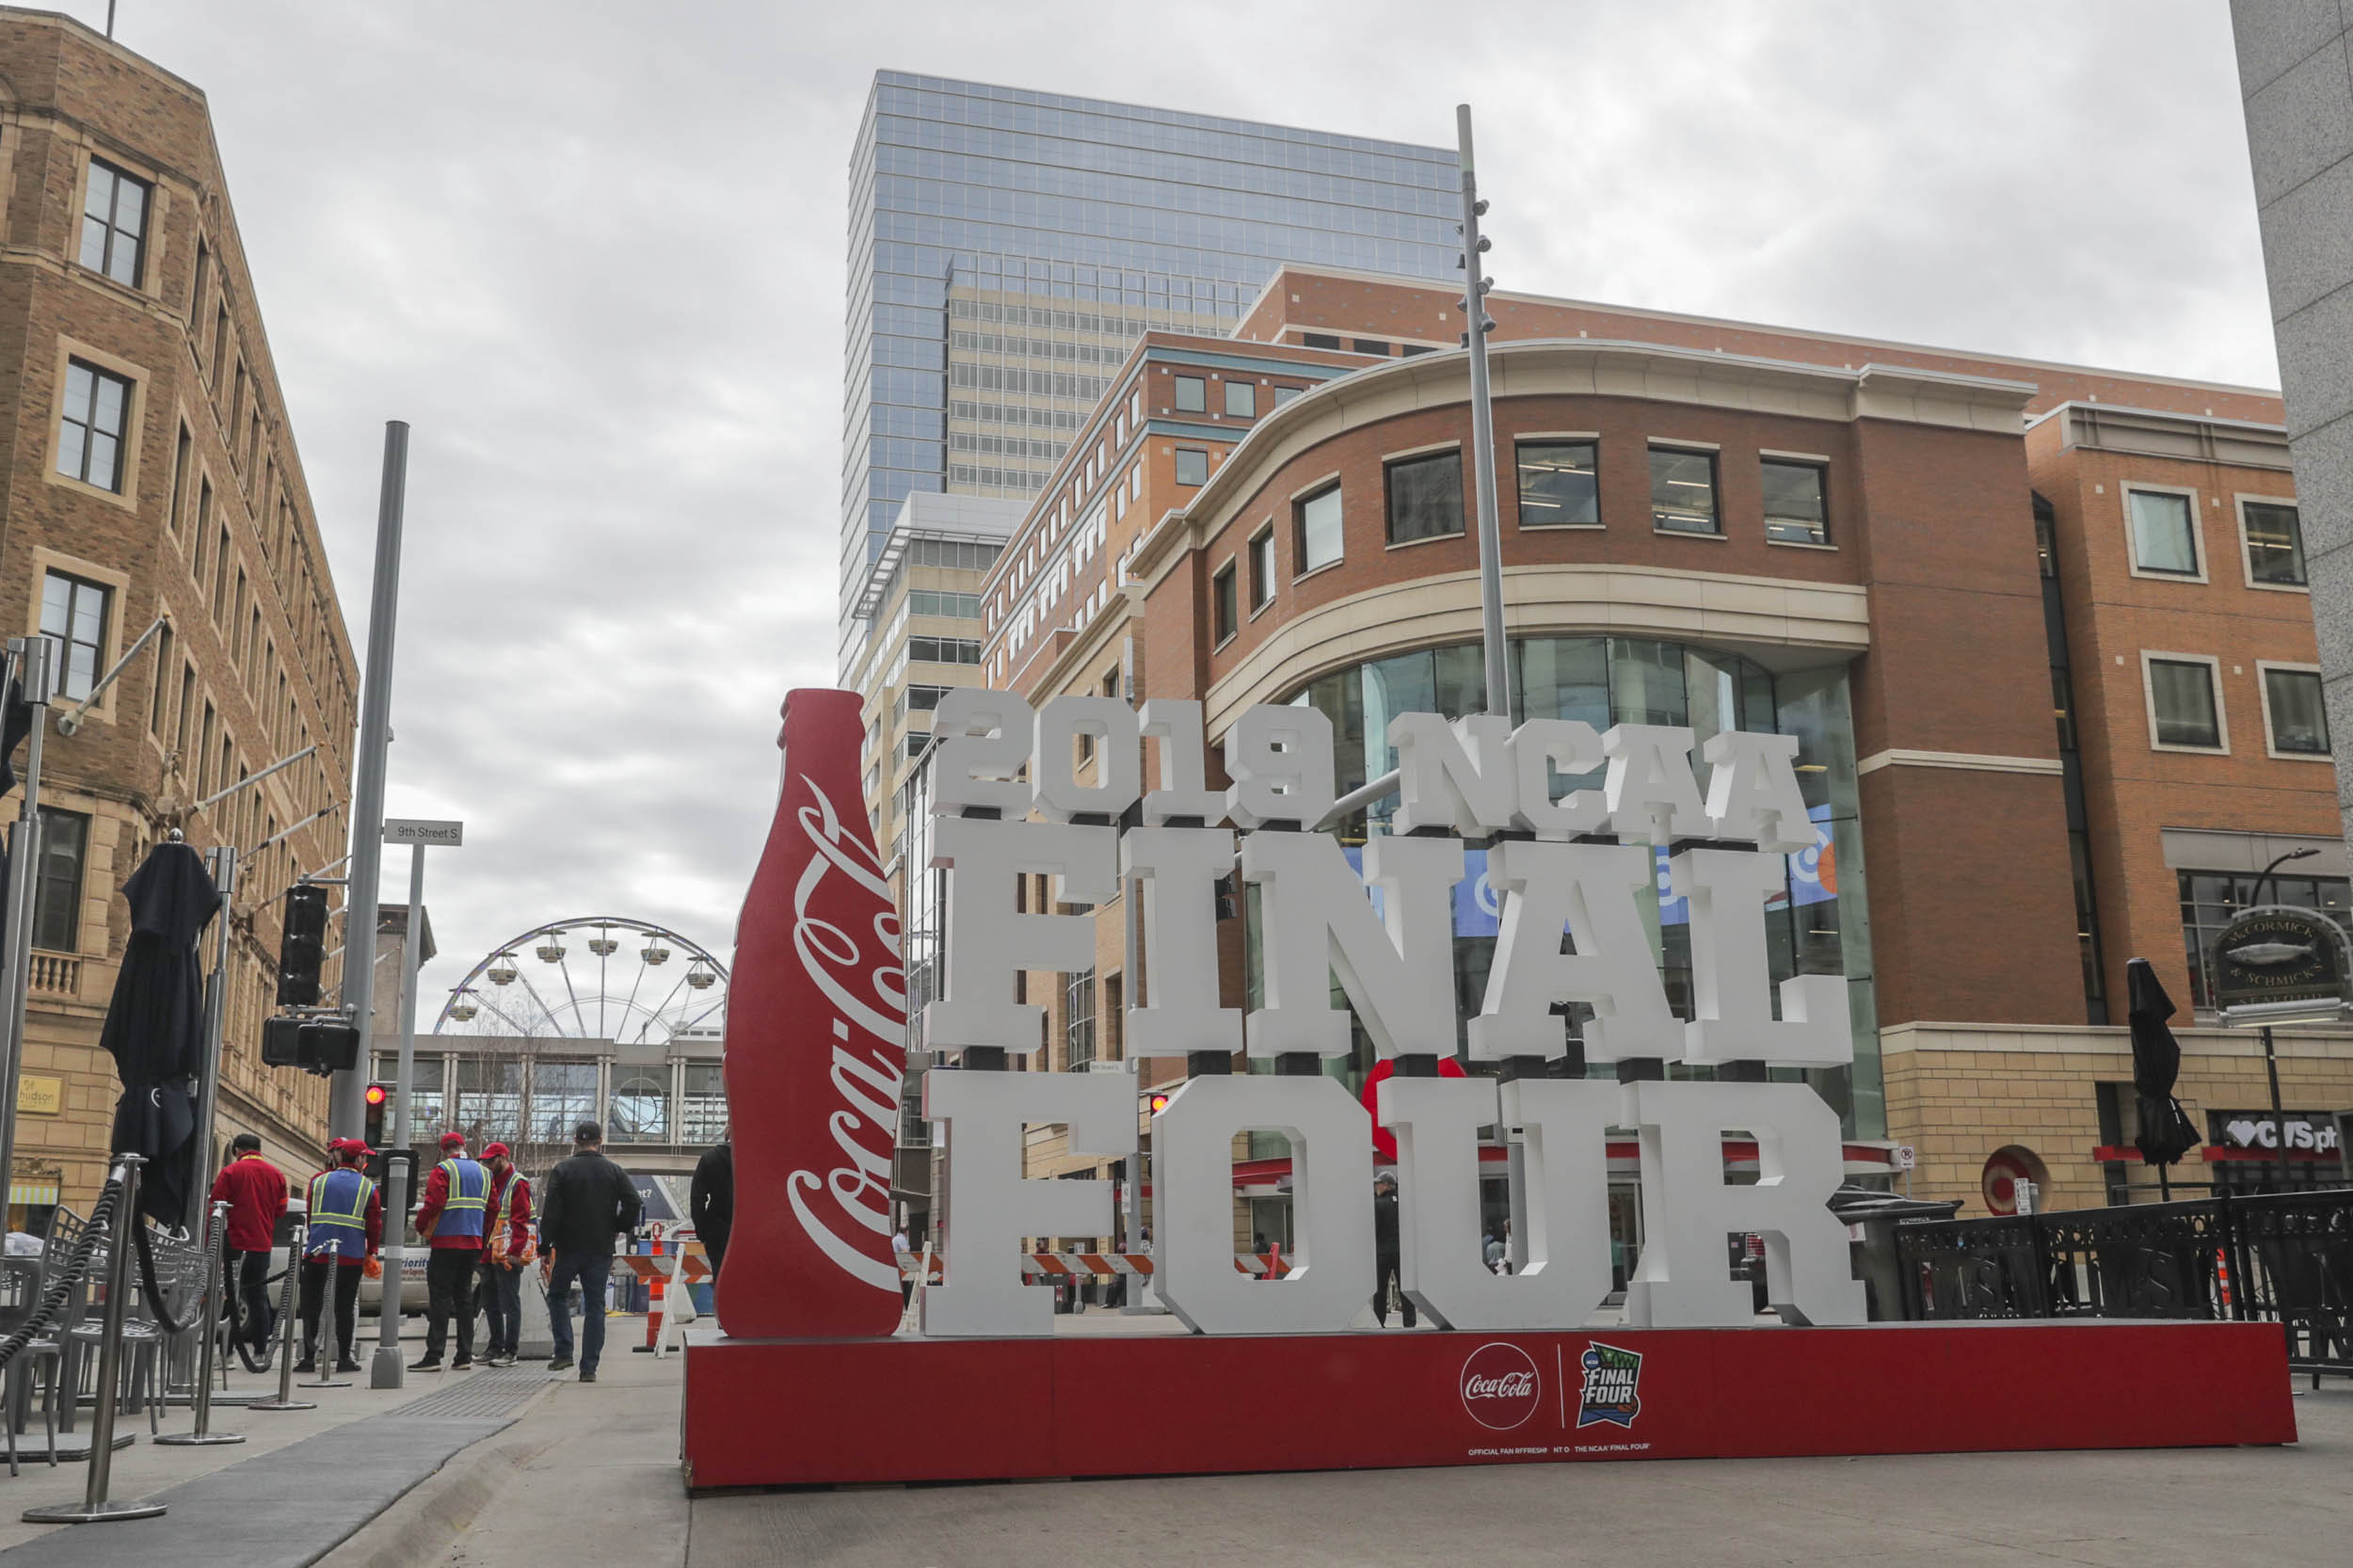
(2279, 1118)
(221, 865)
(347, 1105)
(386, 1370)
(1476, 325)
(31, 657)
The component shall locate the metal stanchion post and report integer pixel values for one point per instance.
(329, 1332)
(285, 1400)
(202, 1434)
(95, 1506)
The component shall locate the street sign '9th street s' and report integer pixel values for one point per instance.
(418, 830)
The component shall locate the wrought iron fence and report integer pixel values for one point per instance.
(2285, 1258)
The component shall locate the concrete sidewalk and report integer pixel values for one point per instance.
(588, 1474)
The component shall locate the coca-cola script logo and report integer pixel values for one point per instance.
(1500, 1385)
(868, 993)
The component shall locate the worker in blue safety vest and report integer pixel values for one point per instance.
(453, 1219)
(347, 1218)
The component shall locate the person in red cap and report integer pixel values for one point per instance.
(256, 1194)
(346, 1227)
(506, 1248)
(454, 1213)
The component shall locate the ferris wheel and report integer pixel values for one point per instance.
(600, 977)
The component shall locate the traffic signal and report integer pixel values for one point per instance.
(315, 1044)
(1159, 1103)
(380, 1096)
(302, 947)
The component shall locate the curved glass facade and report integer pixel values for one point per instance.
(1820, 925)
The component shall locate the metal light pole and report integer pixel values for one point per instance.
(2271, 1058)
(386, 1370)
(347, 1111)
(30, 658)
(1477, 325)
(221, 864)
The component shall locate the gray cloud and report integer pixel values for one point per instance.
(593, 252)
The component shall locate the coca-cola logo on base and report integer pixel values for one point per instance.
(1500, 1385)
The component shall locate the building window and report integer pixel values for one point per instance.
(640, 1112)
(2293, 708)
(1222, 603)
(917, 740)
(2274, 534)
(2212, 900)
(563, 1096)
(1192, 395)
(1796, 508)
(1560, 484)
(2165, 532)
(73, 616)
(1316, 529)
(927, 601)
(2183, 708)
(89, 431)
(1371, 345)
(945, 650)
(1193, 466)
(703, 1107)
(1284, 394)
(489, 1100)
(57, 890)
(1683, 490)
(1425, 497)
(1319, 339)
(114, 223)
(1078, 1019)
(1242, 400)
(1262, 569)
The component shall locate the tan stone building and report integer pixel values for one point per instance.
(152, 475)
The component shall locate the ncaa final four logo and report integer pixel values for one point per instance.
(1612, 1377)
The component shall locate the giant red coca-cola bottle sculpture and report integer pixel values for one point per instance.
(816, 1052)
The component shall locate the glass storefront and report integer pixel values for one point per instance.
(1820, 925)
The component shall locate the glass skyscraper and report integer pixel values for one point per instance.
(1007, 247)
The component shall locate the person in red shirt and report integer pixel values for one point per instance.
(506, 1248)
(455, 1214)
(256, 1193)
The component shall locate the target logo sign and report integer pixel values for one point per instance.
(1500, 1385)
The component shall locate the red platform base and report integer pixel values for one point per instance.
(808, 1412)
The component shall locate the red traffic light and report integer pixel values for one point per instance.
(1160, 1103)
(377, 1093)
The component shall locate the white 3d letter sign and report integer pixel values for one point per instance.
(1576, 927)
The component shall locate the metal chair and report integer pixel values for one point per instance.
(22, 1283)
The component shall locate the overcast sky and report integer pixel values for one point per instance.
(593, 252)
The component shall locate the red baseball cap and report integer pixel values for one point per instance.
(495, 1151)
(452, 1140)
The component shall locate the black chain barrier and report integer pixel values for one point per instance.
(94, 1230)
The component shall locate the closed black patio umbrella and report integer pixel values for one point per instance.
(2167, 1132)
(154, 1026)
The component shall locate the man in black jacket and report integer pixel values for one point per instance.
(710, 1201)
(1388, 1255)
(585, 1203)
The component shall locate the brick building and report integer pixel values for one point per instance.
(1895, 553)
(153, 476)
